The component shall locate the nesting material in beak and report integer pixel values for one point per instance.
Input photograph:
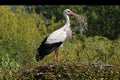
(81, 22)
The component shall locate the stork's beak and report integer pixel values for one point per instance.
(72, 14)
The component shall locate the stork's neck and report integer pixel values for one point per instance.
(67, 24)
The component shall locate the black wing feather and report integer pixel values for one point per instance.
(45, 49)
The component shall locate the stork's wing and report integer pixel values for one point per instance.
(56, 36)
(45, 49)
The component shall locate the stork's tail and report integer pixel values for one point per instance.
(38, 57)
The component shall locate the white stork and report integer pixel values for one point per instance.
(54, 40)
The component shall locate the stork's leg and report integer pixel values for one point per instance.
(56, 55)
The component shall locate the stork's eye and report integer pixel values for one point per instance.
(68, 11)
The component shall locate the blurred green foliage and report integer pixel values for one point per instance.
(23, 28)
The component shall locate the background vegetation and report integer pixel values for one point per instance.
(23, 28)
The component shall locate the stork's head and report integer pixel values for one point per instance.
(68, 12)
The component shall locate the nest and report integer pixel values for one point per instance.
(81, 23)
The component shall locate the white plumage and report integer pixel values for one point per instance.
(56, 38)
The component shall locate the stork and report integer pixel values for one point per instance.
(55, 40)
